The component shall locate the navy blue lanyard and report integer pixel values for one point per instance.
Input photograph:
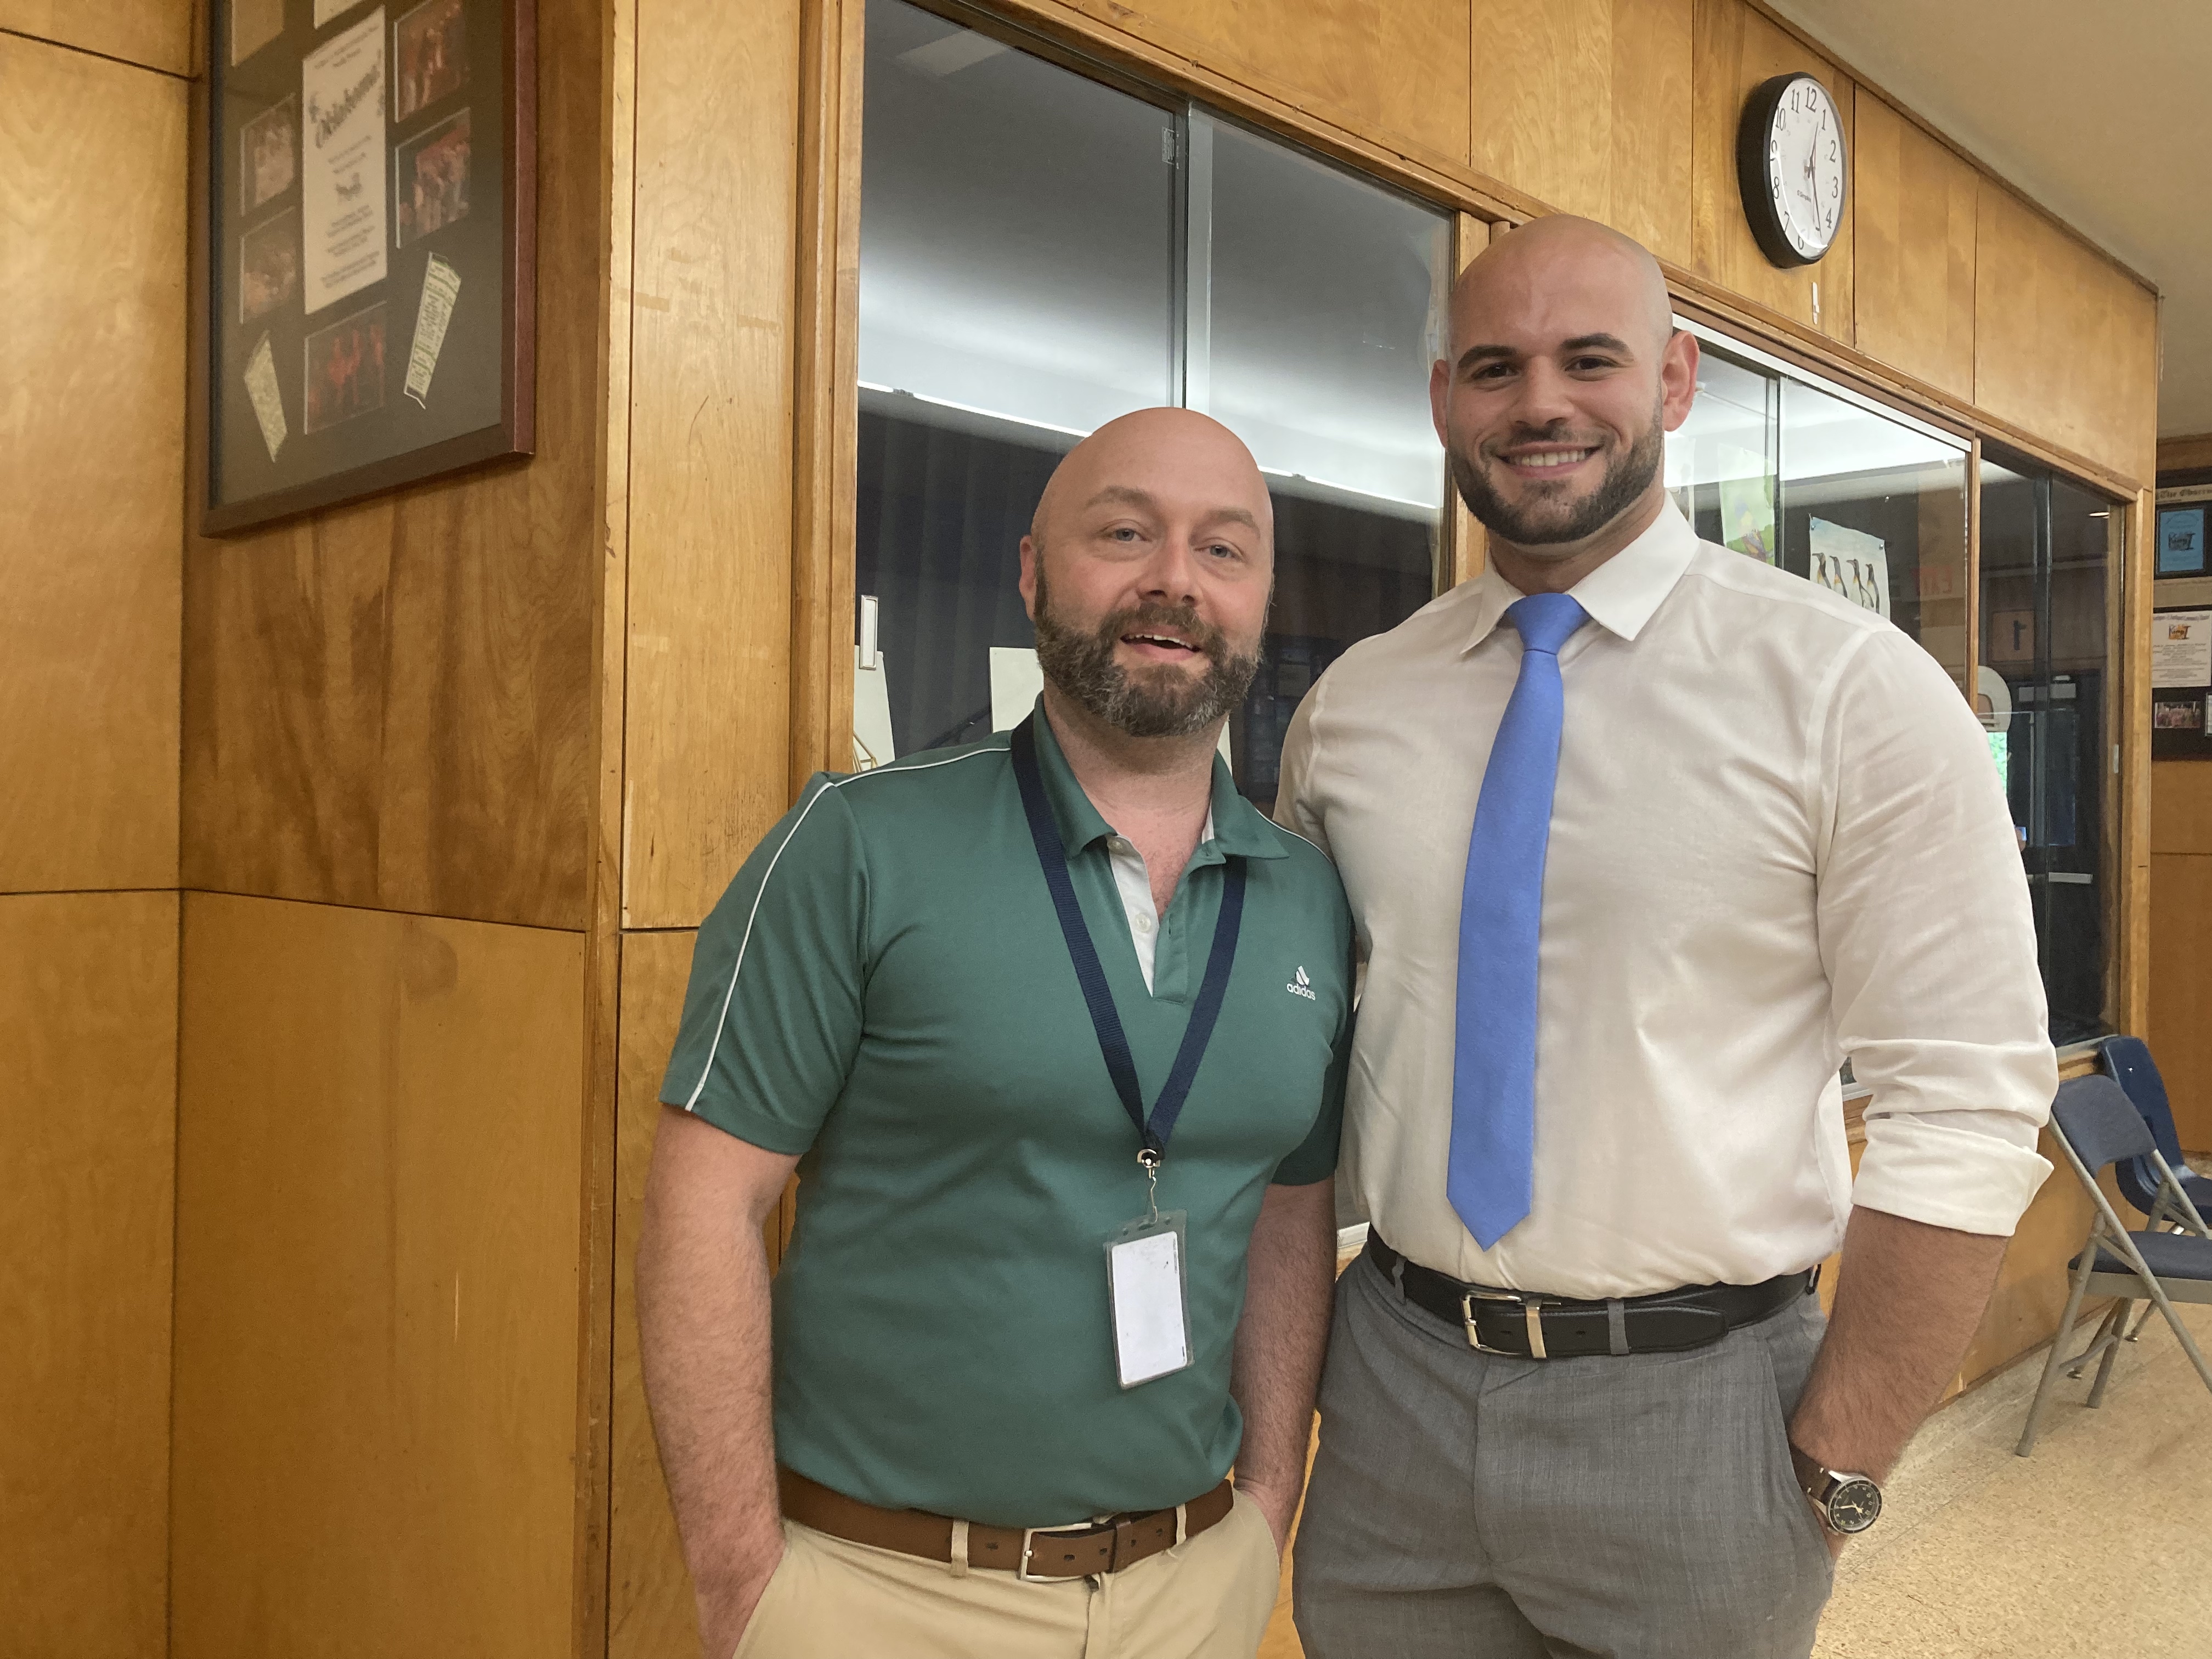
(1105, 1018)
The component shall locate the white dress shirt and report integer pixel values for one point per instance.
(1777, 840)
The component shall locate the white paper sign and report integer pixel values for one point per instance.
(1851, 563)
(1150, 1336)
(341, 192)
(1016, 680)
(267, 397)
(440, 285)
(2180, 648)
(873, 746)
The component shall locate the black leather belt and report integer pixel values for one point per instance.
(1529, 1327)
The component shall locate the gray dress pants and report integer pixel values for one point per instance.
(1483, 1507)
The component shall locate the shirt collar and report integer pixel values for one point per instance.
(1237, 828)
(1620, 595)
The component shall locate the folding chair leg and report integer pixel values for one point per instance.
(2181, 1332)
(2142, 1320)
(2058, 1356)
(2099, 1343)
(2120, 1324)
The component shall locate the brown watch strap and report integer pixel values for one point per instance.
(1107, 1547)
(1812, 1477)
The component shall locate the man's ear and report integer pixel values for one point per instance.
(1678, 378)
(1027, 584)
(1440, 400)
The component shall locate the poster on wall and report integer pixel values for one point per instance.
(369, 237)
(2181, 684)
(1851, 563)
(2181, 541)
(1747, 492)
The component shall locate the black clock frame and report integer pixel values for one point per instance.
(1752, 134)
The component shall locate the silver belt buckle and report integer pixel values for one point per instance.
(1029, 1535)
(1531, 1311)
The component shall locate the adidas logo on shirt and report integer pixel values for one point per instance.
(1302, 986)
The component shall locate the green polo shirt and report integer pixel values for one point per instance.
(885, 990)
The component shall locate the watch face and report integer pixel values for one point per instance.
(1805, 167)
(1854, 1505)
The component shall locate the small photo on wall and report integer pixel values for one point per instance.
(432, 183)
(269, 154)
(2177, 716)
(430, 52)
(345, 369)
(2181, 541)
(268, 266)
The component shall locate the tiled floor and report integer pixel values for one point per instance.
(2097, 1547)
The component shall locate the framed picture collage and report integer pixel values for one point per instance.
(367, 248)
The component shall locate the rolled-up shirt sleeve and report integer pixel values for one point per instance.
(1929, 946)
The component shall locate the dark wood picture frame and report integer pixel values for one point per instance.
(498, 96)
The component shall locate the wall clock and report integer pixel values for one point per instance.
(1791, 168)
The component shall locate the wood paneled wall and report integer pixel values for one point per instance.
(710, 449)
(1587, 105)
(1395, 69)
(156, 34)
(92, 282)
(380, 1129)
(2062, 348)
(393, 1250)
(92, 243)
(1913, 249)
(389, 704)
(87, 1111)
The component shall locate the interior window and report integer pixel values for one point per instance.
(1827, 487)
(1041, 253)
(2048, 561)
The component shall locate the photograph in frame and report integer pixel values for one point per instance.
(430, 178)
(430, 56)
(269, 154)
(345, 369)
(268, 266)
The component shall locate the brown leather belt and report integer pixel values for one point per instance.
(1081, 1551)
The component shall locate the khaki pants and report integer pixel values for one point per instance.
(1208, 1598)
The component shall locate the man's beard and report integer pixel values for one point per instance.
(1160, 703)
(1533, 524)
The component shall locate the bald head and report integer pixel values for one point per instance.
(1146, 571)
(1553, 264)
(1565, 374)
(1154, 452)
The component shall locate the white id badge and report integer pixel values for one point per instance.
(1144, 1283)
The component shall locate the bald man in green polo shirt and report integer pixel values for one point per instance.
(1053, 1029)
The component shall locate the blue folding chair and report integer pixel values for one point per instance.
(2128, 1060)
(2098, 1124)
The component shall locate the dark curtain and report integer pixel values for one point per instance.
(942, 513)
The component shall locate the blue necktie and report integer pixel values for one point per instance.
(1493, 1139)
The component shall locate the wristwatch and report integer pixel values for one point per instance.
(1848, 1503)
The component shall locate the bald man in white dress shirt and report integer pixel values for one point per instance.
(1732, 830)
